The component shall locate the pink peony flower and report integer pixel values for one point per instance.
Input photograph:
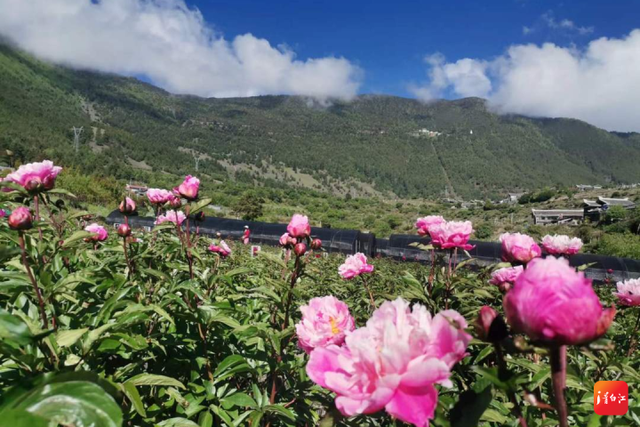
(284, 239)
(519, 248)
(159, 196)
(222, 249)
(35, 177)
(393, 362)
(424, 224)
(127, 206)
(20, 219)
(355, 265)
(189, 187)
(3, 213)
(561, 244)
(100, 233)
(299, 226)
(452, 234)
(507, 275)
(552, 303)
(176, 217)
(628, 292)
(325, 321)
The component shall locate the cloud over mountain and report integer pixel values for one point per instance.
(598, 84)
(172, 45)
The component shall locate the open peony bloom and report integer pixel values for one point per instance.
(561, 244)
(127, 206)
(222, 249)
(424, 224)
(36, 177)
(176, 217)
(629, 292)
(554, 304)
(159, 196)
(452, 234)
(100, 233)
(189, 187)
(505, 277)
(325, 321)
(393, 362)
(355, 265)
(519, 248)
(299, 226)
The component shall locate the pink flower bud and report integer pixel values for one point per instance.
(189, 188)
(124, 230)
(127, 206)
(490, 326)
(20, 219)
(299, 226)
(300, 249)
(316, 244)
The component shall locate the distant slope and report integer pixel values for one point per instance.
(374, 144)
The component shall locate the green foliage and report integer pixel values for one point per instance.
(620, 245)
(615, 214)
(369, 146)
(250, 206)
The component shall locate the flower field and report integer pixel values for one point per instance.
(105, 327)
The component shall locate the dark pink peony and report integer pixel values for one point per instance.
(100, 233)
(189, 187)
(20, 219)
(452, 234)
(554, 304)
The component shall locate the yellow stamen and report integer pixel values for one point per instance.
(334, 329)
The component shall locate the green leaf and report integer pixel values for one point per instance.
(69, 337)
(177, 422)
(198, 206)
(132, 394)
(75, 237)
(241, 399)
(151, 379)
(22, 418)
(281, 410)
(68, 399)
(205, 419)
(13, 328)
(470, 407)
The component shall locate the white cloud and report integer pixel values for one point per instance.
(172, 45)
(564, 26)
(598, 84)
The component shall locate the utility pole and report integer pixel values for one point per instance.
(76, 137)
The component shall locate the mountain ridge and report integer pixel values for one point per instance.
(374, 144)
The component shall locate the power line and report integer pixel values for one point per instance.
(76, 137)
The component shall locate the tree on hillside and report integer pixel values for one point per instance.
(249, 206)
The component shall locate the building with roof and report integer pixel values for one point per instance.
(593, 209)
(557, 216)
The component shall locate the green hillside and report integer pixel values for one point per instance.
(373, 145)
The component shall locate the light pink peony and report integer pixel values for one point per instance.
(299, 226)
(159, 196)
(561, 244)
(424, 224)
(100, 233)
(284, 239)
(189, 187)
(452, 234)
(221, 248)
(36, 177)
(176, 217)
(519, 248)
(325, 321)
(507, 275)
(628, 292)
(554, 304)
(393, 362)
(355, 265)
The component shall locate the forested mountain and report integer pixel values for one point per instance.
(374, 144)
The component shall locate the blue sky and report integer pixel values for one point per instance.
(578, 59)
(388, 40)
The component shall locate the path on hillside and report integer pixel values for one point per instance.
(452, 191)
